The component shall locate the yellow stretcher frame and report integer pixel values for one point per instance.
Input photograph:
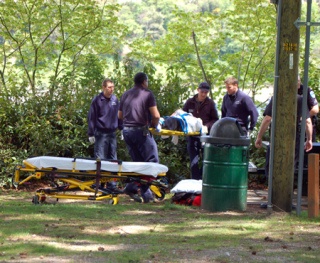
(69, 180)
(164, 132)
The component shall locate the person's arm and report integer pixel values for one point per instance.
(120, 115)
(251, 110)
(253, 115)
(314, 110)
(120, 123)
(223, 110)
(312, 102)
(214, 116)
(155, 116)
(308, 143)
(92, 119)
(263, 127)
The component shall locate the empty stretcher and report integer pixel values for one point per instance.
(80, 178)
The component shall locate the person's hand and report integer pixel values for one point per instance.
(121, 136)
(258, 143)
(204, 130)
(92, 139)
(175, 139)
(158, 128)
(308, 145)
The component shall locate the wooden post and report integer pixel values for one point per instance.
(284, 117)
(313, 185)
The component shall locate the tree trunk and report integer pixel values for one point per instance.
(284, 117)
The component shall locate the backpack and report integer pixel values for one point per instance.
(184, 198)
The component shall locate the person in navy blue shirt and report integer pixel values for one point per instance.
(138, 110)
(237, 104)
(266, 122)
(103, 122)
(313, 106)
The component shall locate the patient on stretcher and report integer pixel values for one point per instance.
(184, 122)
(172, 123)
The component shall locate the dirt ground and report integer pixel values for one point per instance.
(256, 195)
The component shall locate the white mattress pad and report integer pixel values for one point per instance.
(144, 168)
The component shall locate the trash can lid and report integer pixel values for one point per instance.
(226, 131)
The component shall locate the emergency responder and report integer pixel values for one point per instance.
(313, 106)
(237, 104)
(138, 110)
(201, 106)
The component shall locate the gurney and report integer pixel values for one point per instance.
(81, 178)
(164, 132)
(180, 123)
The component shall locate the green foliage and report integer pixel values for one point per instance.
(8, 160)
(54, 56)
(237, 43)
(49, 74)
(250, 43)
(35, 126)
(175, 157)
(43, 39)
(150, 18)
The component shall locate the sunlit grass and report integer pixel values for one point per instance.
(162, 232)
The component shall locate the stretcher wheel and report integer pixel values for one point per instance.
(114, 201)
(14, 183)
(35, 200)
(162, 195)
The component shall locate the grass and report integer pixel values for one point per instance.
(93, 231)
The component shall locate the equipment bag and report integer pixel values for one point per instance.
(184, 198)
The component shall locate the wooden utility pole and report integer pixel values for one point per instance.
(285, 108)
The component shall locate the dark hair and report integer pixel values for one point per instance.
(140, 77)
(104, 83)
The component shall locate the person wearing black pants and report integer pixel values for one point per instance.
(200, 106)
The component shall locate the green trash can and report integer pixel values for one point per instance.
(225, 167)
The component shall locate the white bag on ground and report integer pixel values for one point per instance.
(188, 186)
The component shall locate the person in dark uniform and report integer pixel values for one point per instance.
(237, 104)
(265, 124)
(201, 106)
(313, 106)
(103, 122)
(138, 110)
